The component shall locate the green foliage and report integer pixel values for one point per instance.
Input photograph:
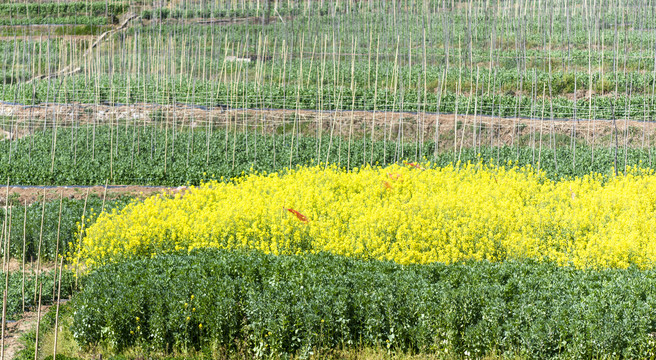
(54, 20)
(337, 95)
(72, 211)
(48, 281)
(87, 13)
(28, 339)
(298, 304)
(82, 30)
(205, 12)
(157, 156)
(63, 8)
(60, 357)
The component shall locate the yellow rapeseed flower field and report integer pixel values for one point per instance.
(405, 213)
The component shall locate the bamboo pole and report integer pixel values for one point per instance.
(4, 257)
(38, 257)
(24, 243)
(4, 297)
(79, 247)
(4, 321)
(104, 196)
(38, 320)
(54, 350)
(61, 197)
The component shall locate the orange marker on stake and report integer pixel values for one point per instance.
(299, 216)
(395, 176)
(415, 165)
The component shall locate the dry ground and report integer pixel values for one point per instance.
(14, 330)
(30, 195)
(19, 120)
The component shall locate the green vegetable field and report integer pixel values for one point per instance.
(314, 179)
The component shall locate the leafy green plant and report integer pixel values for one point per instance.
(155, 156)
(293, 305)
(72, 211)
(17, 288)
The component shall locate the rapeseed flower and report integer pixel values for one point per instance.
(405, 213)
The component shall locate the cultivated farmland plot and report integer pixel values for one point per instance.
(328, 179)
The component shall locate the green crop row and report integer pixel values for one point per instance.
(273, 95)
(22, 291)
(52, 230)
(281, 305)
(32, 9)
(79, 20)
(81, 13)
(157, 156)
(474, 25)
(189, 13)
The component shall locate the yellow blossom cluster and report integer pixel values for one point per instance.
(405, 213)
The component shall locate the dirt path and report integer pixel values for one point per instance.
(21, 120)
(22, 195)
(14, 330)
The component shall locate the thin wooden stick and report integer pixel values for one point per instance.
(38, 257)
(104, 196)
(38, 321)
(79, 248)
(54, 277)
(8, 241)
(24, 243)
(373, 116)
(350, 135)
(4, 297)
(4, 258)
(54, 350)
(4, 321)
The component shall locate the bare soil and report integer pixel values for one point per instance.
(27, 322)
(17, 121)
(14, 330)
(17, 265)
(29, 195)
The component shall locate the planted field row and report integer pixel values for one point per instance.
(57, 20)
(81, 13)
(405, 213)
(116, 89)
(44, 230)
(23, 290)
(453, 60)
(263, 305)
(448, 179)
(36, 9)
(220, 12)
(154, 155)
